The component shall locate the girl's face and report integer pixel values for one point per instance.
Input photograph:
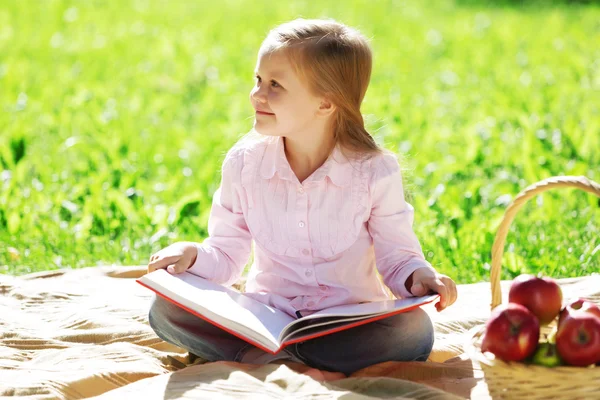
(284, 105)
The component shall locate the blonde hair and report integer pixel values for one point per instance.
(335, 61)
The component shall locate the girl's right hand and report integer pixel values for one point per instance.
(176, 258)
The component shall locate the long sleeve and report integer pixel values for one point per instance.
(397, 250)
(223, 255)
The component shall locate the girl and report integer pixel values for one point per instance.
(324, 206)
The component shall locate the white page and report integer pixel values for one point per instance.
(223, 304)
(322, 327)
(358, 311)
(372, 308)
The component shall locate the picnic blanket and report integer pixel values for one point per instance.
(71, 334)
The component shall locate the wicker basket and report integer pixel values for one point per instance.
(514, 380)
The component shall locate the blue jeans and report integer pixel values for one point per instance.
(403, 337)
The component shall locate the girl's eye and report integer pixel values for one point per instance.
(273, 83)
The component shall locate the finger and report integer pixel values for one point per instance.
(162, 262)
(150, 266)
(418, 289)
(154, 266)
(438, 286)
(453, 293)
(451, 290)
(178, 267)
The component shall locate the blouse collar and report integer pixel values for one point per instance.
(336, 167)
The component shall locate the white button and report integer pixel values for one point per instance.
(308, 272)
(301, 224)
(310, 304)
(300, 189)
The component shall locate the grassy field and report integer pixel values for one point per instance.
(115, 117)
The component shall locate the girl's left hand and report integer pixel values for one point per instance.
(425, 280)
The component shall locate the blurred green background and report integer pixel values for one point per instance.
(116, 115)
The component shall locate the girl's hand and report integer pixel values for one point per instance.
(176, 258)
(424, 280)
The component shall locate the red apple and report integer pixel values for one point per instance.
(541, 296)
(511, 333)
(581, 305)
(578, 338)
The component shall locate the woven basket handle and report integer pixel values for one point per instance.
(580, 182)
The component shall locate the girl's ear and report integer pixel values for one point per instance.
(326, 108)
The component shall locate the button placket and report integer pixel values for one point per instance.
(302, 215)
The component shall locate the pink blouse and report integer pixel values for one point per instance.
(318, 243)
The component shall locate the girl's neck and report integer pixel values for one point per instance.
(305, 157)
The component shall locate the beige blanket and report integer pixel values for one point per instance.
(73, 334)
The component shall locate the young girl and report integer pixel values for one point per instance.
(324, 206)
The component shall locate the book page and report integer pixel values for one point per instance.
(225, 306)
(335, 314)
(372, 308)
(320, 326)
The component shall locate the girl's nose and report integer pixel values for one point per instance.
(258, 95)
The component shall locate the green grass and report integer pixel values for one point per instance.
(115, 117)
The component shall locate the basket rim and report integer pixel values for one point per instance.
(555, 182)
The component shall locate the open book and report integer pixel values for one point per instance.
(259, 324)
